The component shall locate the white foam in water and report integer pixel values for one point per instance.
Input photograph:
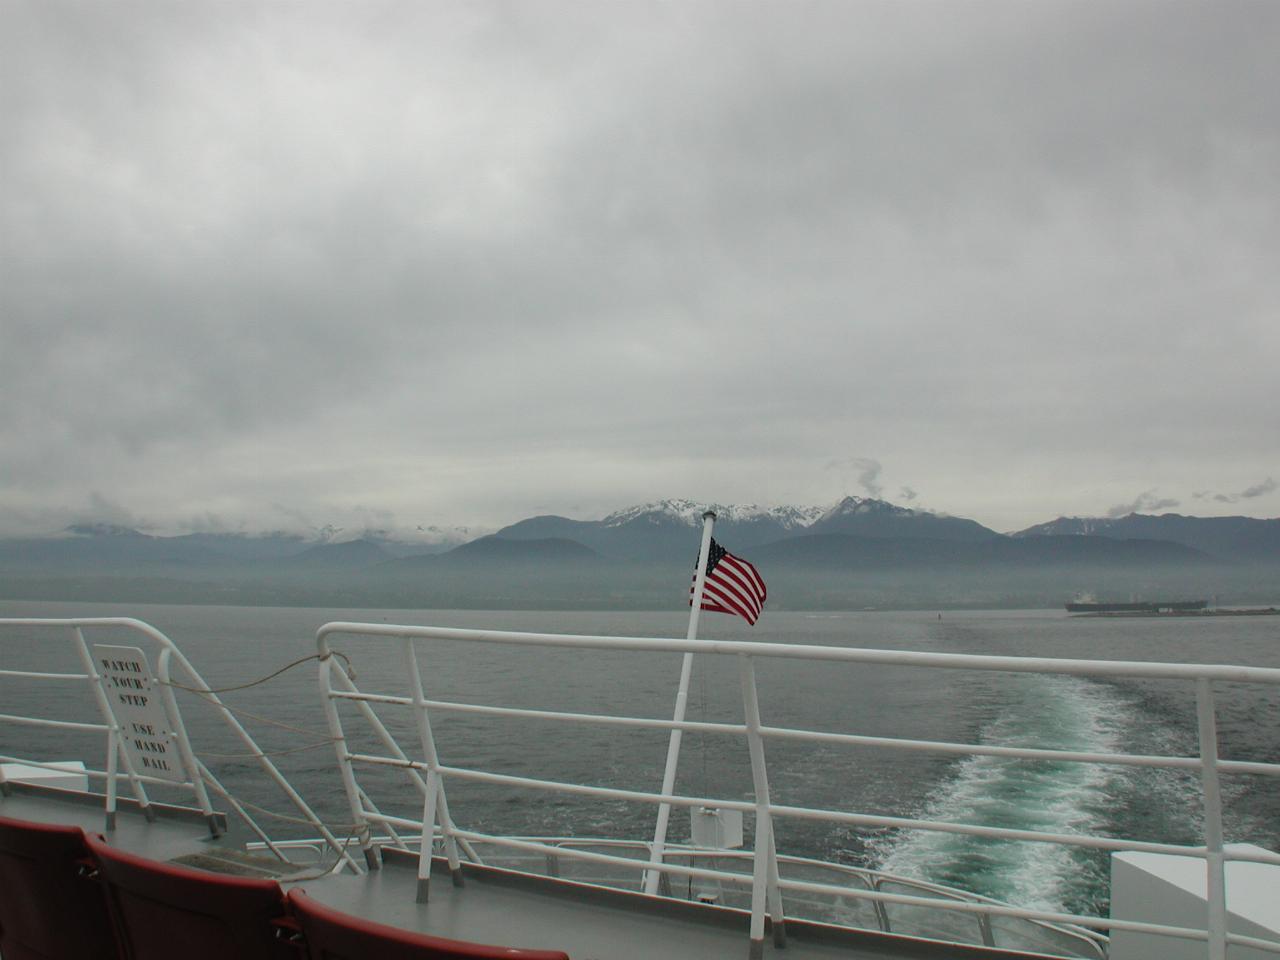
(1065, 713)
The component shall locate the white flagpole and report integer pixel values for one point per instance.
(652, 877)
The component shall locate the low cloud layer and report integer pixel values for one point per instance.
(1260, 489)
(1145, 502)
(394, 265)
(861, 473)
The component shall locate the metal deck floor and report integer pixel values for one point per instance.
(499, 907)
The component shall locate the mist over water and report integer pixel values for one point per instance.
(231, 645)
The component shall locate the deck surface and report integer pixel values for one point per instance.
(498, 907)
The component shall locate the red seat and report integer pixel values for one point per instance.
(166, 912)
(48, 909)
(332, 935)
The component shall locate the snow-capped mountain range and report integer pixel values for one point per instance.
(689, 512)
(788, 517)
(873, 531)
(661, 528)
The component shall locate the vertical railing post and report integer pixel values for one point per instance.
(651, 879)
(184, 742)
(435, 795)
(114, 749)
(764, 882)
(1214, 861)
(394, 748)
(358, 821)
(428, 835)
(115, 746)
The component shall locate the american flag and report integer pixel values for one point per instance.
(732, 586)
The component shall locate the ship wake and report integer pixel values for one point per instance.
(1064, 713)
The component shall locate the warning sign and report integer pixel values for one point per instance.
(144, 725)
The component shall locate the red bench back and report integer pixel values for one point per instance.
(48, 909)
(167, 912)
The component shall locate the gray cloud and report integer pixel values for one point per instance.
(1147, 502)
(1259, 489)
(102, 510)
(392, 263)
(863, 471)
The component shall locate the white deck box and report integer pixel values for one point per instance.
(1157, 888)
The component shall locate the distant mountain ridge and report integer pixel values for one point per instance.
(854, 532)
(662, 529)
(867, 517)
(1224, 538)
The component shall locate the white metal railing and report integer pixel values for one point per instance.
(429, 775)
(196, 777)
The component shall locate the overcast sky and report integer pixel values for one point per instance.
(282, 265)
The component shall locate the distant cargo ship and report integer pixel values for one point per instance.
(1156, 606)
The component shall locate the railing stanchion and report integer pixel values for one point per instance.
(435, 782)
(1214, 861)
(764, 883)
(113, 771)
(184, 742)
(428, 835)
(390, 743)
(358, 821)
(775, 892)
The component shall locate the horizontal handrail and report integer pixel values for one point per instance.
(807, 813)
(1261, 768)
(34, 675)
(1151, 670)
(47, 722)
(522, 713)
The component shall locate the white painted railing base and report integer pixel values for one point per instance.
(1158, 888)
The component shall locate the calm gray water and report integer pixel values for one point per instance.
(233, 645)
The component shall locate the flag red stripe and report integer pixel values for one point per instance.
(731, 591)
(713, 592)
(742, 575)
(753, 576)
(733, 586)
(735, 613)
(725, 599)
(719, 608)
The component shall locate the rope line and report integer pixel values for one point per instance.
(352, 831)
(320, 737)
(208, 695)
(322, 870)
(271, 676)
(332, 828)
